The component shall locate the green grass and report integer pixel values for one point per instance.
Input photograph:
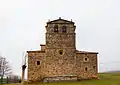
(104, 79)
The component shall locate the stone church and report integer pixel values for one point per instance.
(58, 59)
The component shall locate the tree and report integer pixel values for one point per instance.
(4, 67)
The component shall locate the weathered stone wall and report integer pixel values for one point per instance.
(35, 72)
(57, 64)
(59, 40)
(86, 65)
(60, 63)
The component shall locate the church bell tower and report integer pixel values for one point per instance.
(60, 47)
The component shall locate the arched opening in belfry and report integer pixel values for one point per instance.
(56, 28)
(64, 29)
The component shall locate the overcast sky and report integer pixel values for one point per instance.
(22, 27)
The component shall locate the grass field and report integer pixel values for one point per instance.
(104, 79)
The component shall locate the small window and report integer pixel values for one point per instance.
(64, 29)
(85, 59)
(86, 68)
(94, 67)
(38, 62)
(56, 28)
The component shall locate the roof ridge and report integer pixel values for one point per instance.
(60, 19)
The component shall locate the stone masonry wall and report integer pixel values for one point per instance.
(35, 72)
(86, 65)
(57, 40)
(57, 65)
(60, 64)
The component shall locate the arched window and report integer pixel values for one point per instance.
(64, 29)
(56, 28)
(94, 67)
(85, 59)
(86, 69)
